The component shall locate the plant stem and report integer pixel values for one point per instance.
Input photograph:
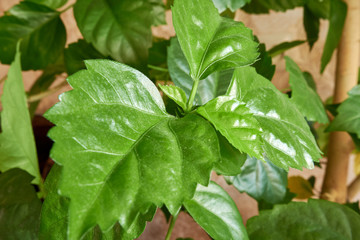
(171, 227)
(161, 69)
(3, 79)
(39, 96)
(192, 95)
(67, 8)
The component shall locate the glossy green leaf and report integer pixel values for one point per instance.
(264, 66)
(117, 29)
(312, 26)
(283, 47)
(233, 5)
(287, 139)
(316, 219)
(54, 4)
(235, 122)
(261, 180)
(214, 210)
(338, 10)
(17, 144)
(113, 136)
(320, 8)
(348, 117)
(176, 94)
(223, 43)
(76, 53)
(263, 6)
(212, 86)
(41, 30)
(19, 206)
(231, 159)
(303, 96)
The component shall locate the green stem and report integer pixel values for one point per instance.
(192, 95)
(171, 227)
(157, 68)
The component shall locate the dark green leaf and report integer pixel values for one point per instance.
(117, 29)
(283, 47)
(312, 26)
(212, 86)
(262, 181)
(235, 122)
(19, 206)
(316, 219)
(263, 6)
(303, 96)
(231, 159)
(214, 210)
(224, 43)
(176, 94)
(287, 139)
(17, 144)
(76, 53)
(54, 4)
(354, 206)
(264, 66)
(113, 126)
(233, 5)
(348, 117)
(337, 17)
(319, 8)
(41, 30)
(158, 52)
(310, 80)
(289, 196)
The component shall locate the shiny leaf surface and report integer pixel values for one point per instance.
(176, 94)
(17, 144)
(113, 124)
(41, 30)
(212, 86)
(215, 211)
(287, 139)
(19, 206)
(283, 47)
(235, 122)
(304, 96)
(233, 5)
(348, 117)
(337, 17)
(223, 44)
(316, 219)
(117, 29)
(54, 4)
(262, 181)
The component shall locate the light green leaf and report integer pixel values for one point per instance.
(316, 219)
(283, 47)
(263, 6)
(224, 43)
(54, 4)
(287, 139)
(348, 118)
(235, 122)
(338, 10)
(19, 206)
(113, 136)
(176, 94)
(212, 86)
(261, 180)
(214, 210)
(117, 29)
(231, 159)
(233, 5)
(41, 30)
(303, 96)
(76, 53)
(17, 144)
(312, 26)
(264, 66)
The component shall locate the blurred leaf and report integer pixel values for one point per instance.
(158, 12)
(319, 8)
(354, 206)
(338, 10)
(54, 4)
(311, 25)
(316, 219)
(233, 5)
(264, 65)
(19, 206)
(17, 144)
(357, 164)
(214, 210)
(41, 30)
(310, 80)
(289, 196)
(282, 47)
(263, 6)
(301, 187)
